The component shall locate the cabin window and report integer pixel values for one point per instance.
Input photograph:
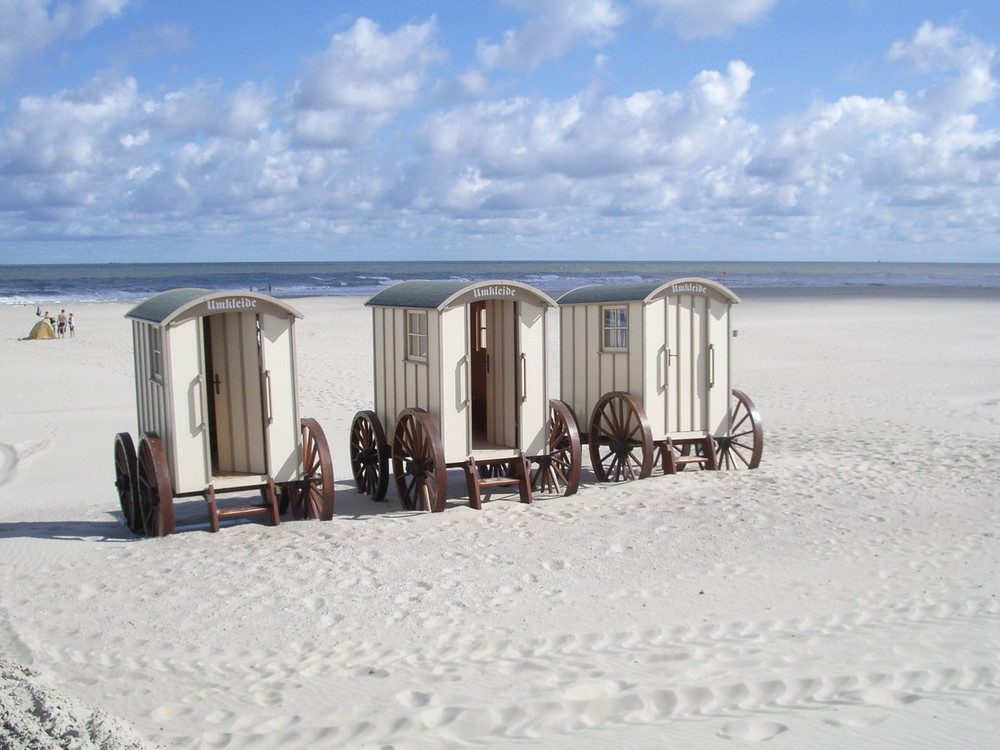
(416, 336)
(614, 328)
(156, 354)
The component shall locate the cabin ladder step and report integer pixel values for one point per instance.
(497, 473)
(268, 508)
(677, 453)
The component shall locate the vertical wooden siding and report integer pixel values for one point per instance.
(278, 341)
(586, 371)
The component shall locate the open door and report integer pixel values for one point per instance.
(494, 355)
(236, 418)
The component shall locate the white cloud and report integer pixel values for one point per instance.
(363, 79)
(109, 158)
(43, 23)
(912, 149)
(939, 49)
(710, 18)
(558, 25)
(69, 131)
(586, 151)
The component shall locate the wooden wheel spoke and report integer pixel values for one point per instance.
(369, 455)
(154, 496)
(418, 461)
(316, 499)
(558, 471)
(621, 442)
(743, 446)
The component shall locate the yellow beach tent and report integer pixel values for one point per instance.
(41, 330)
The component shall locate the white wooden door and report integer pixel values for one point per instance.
(688, 363)
(235, 394)
(281, 411)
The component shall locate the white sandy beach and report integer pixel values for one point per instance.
(844, 594)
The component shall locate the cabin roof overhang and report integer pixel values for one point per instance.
(175, 305)
(646, 292)
(443, 295)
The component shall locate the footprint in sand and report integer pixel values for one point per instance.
(752, 730)
(8, 462)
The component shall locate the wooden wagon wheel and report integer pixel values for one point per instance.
(154, 495)
(315, 496)
(620, 439)
(741, 448)
(369, 455)
(418, 462)
(125, 478)
(558, 471)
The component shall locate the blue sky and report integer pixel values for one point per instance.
(178, 130)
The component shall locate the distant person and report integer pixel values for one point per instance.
(72, 326)
(61, 324)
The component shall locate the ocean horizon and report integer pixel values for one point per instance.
(50, 283)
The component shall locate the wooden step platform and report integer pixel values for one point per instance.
(268, 508)
(678, 453)
(495, 474)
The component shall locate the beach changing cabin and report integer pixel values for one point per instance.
(217, 403)
(648, 364)
(461, 380)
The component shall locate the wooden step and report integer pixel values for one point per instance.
(234, 511)
(499, 481)
(691, 460)
(476, 483)
(269, 508)
(672, 462)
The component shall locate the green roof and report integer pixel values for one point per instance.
(180, 304)
(418, 294)
(159, 307)
(441, 295)
(610, 293)
(645, 291)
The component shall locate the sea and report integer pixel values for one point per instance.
(42, 284)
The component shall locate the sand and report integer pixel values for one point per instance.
(844, 594)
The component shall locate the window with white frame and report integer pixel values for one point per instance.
(156, 354)
(416, 335)
(614, 328)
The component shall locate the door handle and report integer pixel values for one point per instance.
(218, 383)
(267, 391)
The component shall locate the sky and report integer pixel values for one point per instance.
(186, 130)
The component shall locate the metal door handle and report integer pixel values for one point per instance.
(267, 391)
(524, 377)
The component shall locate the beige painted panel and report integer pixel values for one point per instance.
(454, 410)
(430, 376)
(534, 397)
(634, 378)
(690, 361)
(184, 433)
(719, 337)
(280, 397)
(150, 395)
(574, 374)
(653, 367)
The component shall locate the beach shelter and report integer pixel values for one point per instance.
(217, 398)
(41, 330)
(460, 381)
(650, 364)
